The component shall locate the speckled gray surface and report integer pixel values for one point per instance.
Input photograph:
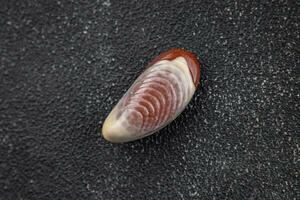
(64, 64)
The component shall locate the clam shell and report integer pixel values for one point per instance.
(156, 98)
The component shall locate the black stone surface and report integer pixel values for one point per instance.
(65, 64)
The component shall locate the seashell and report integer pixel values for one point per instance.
(156, 98)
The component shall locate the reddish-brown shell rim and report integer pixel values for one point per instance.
(191, 59)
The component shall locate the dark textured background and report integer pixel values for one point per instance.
(64, 64)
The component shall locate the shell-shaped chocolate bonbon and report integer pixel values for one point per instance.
(156, 98)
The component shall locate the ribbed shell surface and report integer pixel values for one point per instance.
(155, 98)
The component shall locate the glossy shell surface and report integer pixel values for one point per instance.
(155, 99)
